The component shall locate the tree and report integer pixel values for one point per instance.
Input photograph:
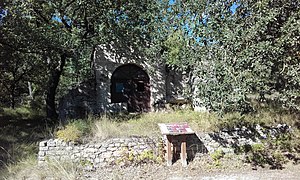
(15, 74)
(59, 31)
(236, 54)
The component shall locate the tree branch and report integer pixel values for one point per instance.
(21, 50)
(41, 16)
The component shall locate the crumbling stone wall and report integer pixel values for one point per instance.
(97, 154)
(100, 154)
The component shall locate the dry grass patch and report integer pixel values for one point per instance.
(146, 124)
(28, 168)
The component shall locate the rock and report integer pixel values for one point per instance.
(42, 153)
(98, 146)
(43, 143)
(43, 148)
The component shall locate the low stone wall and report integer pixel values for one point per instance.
(97, 154)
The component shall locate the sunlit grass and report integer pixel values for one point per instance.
(22, 153)
(147, 124)
(28, 168)
(19, 113)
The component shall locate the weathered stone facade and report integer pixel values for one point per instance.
(164, 85)
(79, 102)
(108, 58)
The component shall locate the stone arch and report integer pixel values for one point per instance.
(131, 84)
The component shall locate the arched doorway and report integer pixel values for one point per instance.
(130, 84)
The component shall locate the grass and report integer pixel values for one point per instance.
(24, 112)
(28, 168)
(19, 135)
(20, 131)
(146, 124)
(122, 125)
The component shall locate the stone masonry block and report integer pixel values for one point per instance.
(42, 153)
(43, 143)
(43, 148)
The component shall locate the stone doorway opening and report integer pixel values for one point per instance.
(131, 84)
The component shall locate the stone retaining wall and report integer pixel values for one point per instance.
(96, 154)
(99, 154)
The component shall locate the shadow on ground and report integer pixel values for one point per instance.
(19, 138)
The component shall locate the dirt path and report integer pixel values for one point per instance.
(250, 175)
(176, 172)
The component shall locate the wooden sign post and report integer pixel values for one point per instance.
(173, 130)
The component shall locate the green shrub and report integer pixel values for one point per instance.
(146, 156)
(129, 158)
(84, 126)
(69, 133)
(74, 131)
(265, 154)
(216, 156)
(258, 155)
(19, 113)
(264, 117)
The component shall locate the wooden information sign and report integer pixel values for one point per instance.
(179, 130)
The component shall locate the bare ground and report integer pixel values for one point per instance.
(195, 170)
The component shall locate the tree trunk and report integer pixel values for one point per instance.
(30, 90)
(12, 98)
(52, 86)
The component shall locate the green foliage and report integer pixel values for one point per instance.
(128, 158)
(85, 162)
(20, 113)
(174, 46)
(82, 125)
(216, 156)
(272, 152)
(69, 133)
(47, 40)
(74, 131)
(263, 117)
(147, 156)
(234, 56)
(258, 155)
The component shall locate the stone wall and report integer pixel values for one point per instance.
(79, 102)
(94, 95)
(107, 58)
(96, 154)
(99, 154)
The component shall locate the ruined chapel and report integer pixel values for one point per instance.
(124, 80)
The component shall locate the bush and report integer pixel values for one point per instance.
(216, 156)
(69, 133)
(128, 158)
(266, 154)
(20, 113)
(74, 131)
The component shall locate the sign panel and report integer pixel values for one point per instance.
(175, 128)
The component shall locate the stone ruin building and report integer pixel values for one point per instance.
(124, 80)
